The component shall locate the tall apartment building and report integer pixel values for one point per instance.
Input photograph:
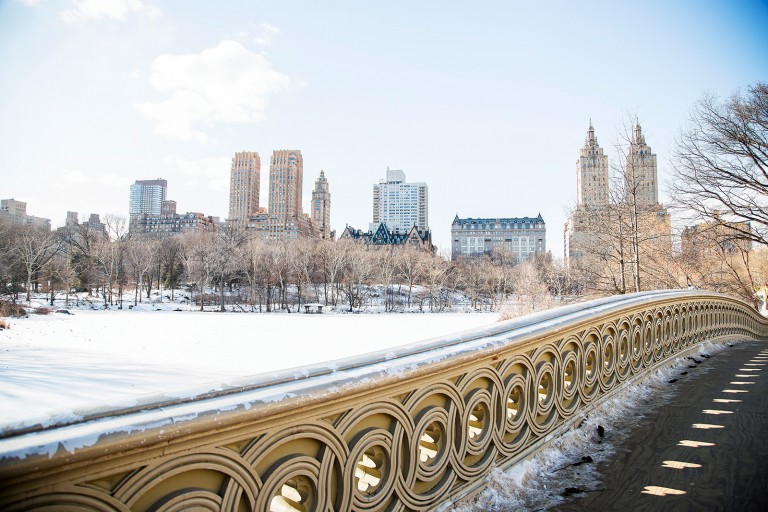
(147, 196)
(400, 205)
(284, 219)
(244, 185)
(592, 173)
(286, 175)
(321, 207)
(592, 197)
(640, 172)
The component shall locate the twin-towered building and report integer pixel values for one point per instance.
(284, 218)
(593, 192)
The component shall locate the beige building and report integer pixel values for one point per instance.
(640, 172)
(286, 177)
(244, 184)
(321, 207)
(284, 219)
(592, 173)
(592, 197)
(15, 212)
(591, 226)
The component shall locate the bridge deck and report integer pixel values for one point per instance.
(705, 450)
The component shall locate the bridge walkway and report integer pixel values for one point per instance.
(706, 449)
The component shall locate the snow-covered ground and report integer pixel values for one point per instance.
(58, 366)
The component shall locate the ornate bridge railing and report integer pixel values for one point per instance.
(403, 430)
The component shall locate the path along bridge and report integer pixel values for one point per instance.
(408, 429)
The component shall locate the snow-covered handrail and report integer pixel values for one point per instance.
(409, 428)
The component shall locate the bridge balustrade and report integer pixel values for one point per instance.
(407, 429)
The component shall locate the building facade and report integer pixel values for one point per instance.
(525, 236)
(169, 222)
(592, 173)
(715, 238)
(321, 207)
(15, 212)
(93, 223)
(640, 172)
(244, 185)
(400, 205)
(381, 236)
(286, 176)
(147, 196)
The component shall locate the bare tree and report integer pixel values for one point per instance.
(333, 257)
(434, 269)
(169, 264)
(720, 163)
(33, 247)
(357, 274)
(409, 268)
(301, 261)
(198, 258)
(141, 255)
(530, 287)
(227, 242)
(385, 268)
(473, 273)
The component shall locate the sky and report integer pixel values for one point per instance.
(487, 102)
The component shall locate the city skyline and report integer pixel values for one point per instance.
(488, 105)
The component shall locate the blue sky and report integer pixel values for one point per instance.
(488, 102)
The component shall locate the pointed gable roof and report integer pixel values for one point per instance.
(381, 236)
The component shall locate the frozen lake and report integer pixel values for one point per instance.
(57, 367)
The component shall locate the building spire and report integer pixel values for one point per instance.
(590, 141)
(637, 135)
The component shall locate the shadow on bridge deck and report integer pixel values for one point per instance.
(705, 450)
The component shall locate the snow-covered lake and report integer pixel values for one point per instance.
(59, 366)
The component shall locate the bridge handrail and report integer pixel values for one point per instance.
(411, 426)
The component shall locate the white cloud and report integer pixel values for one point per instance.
(213, 171)
(31, 3)
(224, 84)
(108, 9)
(268, 34)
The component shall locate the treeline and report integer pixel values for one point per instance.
(265, 275)
(225, 268)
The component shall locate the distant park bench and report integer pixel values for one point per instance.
(313, 308)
